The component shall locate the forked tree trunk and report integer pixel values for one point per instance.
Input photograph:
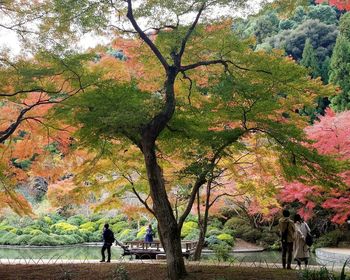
(169, 231)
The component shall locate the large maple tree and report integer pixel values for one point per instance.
(192, 89)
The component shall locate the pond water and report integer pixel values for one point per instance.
(81, 252)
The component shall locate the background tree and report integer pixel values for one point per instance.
(339, 66)
(309, 59)
(321, 35)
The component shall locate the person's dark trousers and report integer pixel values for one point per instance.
(106, 246)
(287, 251)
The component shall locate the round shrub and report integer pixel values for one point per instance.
(78, 238)
(101, 222)
(187, 228)
(222, 251)
(212, 240)
(23, 239)
(193, 235)
(76, 220)
(68, 239)
(118, 227)
(330, 239)
(35, 232)
(192, 218)
(85, 234)
(213, 231)
(118, 218)
(55, 218)
(235, 223)
(64, 228)
(58, 239)
(229, 239)
(127, 235)
(6, 228)
(95, 237)
(7, 238)
(47, 220)
(251, 235)
(88, 226)
(43, 240)
(268, 238)
(16, 231)
(95, 217)
(215, 222)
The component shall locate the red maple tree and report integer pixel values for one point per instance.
(339, 4)
(332, 136)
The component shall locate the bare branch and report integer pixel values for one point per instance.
(190, 86)
(224, 194)
(190, 31)
(143, 201)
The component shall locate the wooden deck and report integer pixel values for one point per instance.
(150, 250)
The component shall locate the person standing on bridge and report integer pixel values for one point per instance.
(149, 234)
(108, 239)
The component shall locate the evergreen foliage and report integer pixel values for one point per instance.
(309, 59)
(340, 66)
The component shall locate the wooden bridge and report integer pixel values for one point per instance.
(154, 250)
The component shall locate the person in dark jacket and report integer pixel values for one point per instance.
(108, 239)
(287, 230)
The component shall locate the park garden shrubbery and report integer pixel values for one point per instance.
(55, 230)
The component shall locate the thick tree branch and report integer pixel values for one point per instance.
(223, 62)
(145, 38)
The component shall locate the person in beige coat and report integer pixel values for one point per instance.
(301, 252)
(287, 231)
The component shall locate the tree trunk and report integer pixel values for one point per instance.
(203, 222)
(169, 231)
(201, 240)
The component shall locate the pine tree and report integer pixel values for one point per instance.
(324, 71)
(340, 66)
(309, 59)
